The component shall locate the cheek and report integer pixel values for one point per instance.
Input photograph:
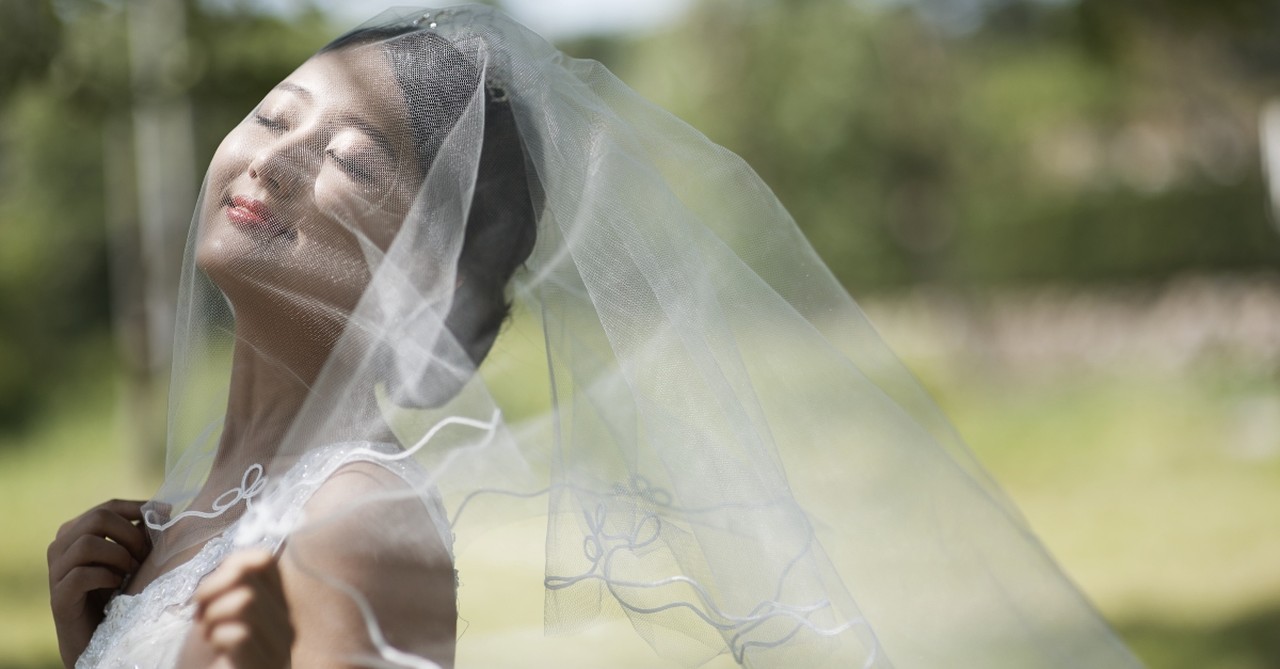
(230, 160)
(373, 218)
(329, 271)
(379, 227)
(216, 244)
(329, 254)
(337, 200)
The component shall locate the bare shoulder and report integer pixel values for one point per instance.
(355, 482)
(368, 530)
(368, 503)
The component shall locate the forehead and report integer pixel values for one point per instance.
(356, 80)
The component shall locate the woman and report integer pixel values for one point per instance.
(729, 457)
(291, 196)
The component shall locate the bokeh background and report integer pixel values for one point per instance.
(1056, 211)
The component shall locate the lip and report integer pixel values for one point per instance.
(251, 214)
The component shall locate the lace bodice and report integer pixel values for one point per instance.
(148, 629)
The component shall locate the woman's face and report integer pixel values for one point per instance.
(304, 194)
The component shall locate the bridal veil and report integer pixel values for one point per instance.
(724, 450)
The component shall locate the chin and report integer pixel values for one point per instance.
(222, 252)
(235, 262)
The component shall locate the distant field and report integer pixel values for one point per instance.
(1157, 489)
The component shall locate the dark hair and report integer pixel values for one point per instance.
(438, 81)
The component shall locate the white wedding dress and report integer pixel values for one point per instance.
(147, 630)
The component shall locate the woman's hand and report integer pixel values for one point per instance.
(89, 559)
(242, 615)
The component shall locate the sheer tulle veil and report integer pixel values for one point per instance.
(724, 450)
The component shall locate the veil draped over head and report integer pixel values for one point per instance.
(724, 450)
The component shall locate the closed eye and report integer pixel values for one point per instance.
(355, 168)
(274, 124)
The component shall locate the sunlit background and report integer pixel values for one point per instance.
(1058, 212)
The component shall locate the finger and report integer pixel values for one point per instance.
(234, 570)
(228, 575)
(70, 592)
(105, 523)
(130, 509)
(246, 632)
(230, 605)
(228, 637)
(91, 550)
(253, 559)
(126, 508)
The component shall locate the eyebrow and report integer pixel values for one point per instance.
(359, 123)
(290, 86)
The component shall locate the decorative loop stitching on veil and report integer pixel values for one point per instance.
(490, 427)
(252, 483)
(601, 546)
(640, 486)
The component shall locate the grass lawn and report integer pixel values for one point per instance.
(1160, 494)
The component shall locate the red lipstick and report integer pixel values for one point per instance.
(248, 213)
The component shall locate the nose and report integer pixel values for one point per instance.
(282, 165)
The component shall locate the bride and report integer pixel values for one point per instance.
(724, 451)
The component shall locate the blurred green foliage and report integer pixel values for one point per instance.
(1064, 142)
(27, 58)
(65, 93)
(1054, 142)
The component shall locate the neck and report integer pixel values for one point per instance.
(269, 384)
(271, 381)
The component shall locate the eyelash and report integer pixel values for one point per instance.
(346, 165)
(269, 123)
(349, 166)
